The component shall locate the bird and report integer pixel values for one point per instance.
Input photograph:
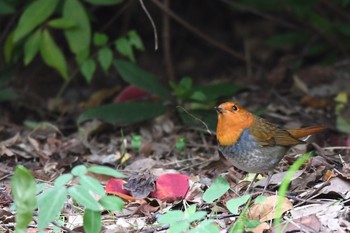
(253, 144)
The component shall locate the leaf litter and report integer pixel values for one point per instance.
(162, 178)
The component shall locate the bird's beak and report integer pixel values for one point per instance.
(218, 109)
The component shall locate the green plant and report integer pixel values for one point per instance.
(180, 221)
(40, 24)
(50, 200)
(200, 99)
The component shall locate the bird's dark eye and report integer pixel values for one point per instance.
(234, 108)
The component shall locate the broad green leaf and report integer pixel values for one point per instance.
(112, 203)
(123, 113)
(31, 46)
(179, 227)
(52, 54)
(197, 216)
(214, 91)
(135, 40)
(104, 170)
(133, 74)
(105, 57)
(90, 183)
(206, 226)
(62, 23)
(208, 116)
(281, 40)
(235, 203)
(104, 2)
(79, 170)
(23, 189)
(7, 94)
(8, 47)
(319, 21)
(100, 39)
(123, 46)
(251, 223)
(83, 197)
(50, 204)
(88, 69)
(63, 180)
(6, 8)
(171, 216)
(78, 37)
(216, 190)
(92, 221)
(190, 210)
(36, 13)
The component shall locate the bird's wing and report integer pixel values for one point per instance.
(268, 134)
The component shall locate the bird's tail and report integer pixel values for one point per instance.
(303, 132)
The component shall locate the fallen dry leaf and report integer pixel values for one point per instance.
(265, 211)
(171, 187)
(308, 224)
(140, 185)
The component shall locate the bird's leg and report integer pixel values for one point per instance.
(269, 175)
(251, 183)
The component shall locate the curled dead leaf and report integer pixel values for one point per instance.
(266, 210)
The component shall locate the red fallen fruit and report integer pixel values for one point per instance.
(171, 187)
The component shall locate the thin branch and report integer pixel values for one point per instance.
(198, 32)
(153, 24)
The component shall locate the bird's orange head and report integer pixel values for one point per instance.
(232, 120)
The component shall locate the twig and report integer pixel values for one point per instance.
(167, 44)
(337, 148)
(153, 24)
(196, 118)
(199, 33)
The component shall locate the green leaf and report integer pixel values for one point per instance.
(100, 39)
(180, 144)
(50, 204)
(83, 197)
(208, 116)
(216, 190)
(171, 216)
(79, 37)
(260, 199)
(62, 23)
(104, 170)
(79, 170)
(31, 46)
(90, 183)
(6, 8)
(206, 226)
(105, 57)
(179, 227)
(63, 180)
(123, 46)
(251, 223)
(235, 203)
(36, 13)
(23, 189)
(8, 47)
(7, 94)
(92, 221)
(112, 203)
(197, 216)
(123, 113)
(214, 91)
(88, 69)
(104, 2)
(281, 40)
(136, 142)
(133, 74)
(342, 28)
(135, 40)
(52, 54)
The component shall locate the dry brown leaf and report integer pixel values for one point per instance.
(260, 229)
(306, 224)
(265, 211)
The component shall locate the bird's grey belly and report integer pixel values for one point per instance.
(254, 160)
(249, 156)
